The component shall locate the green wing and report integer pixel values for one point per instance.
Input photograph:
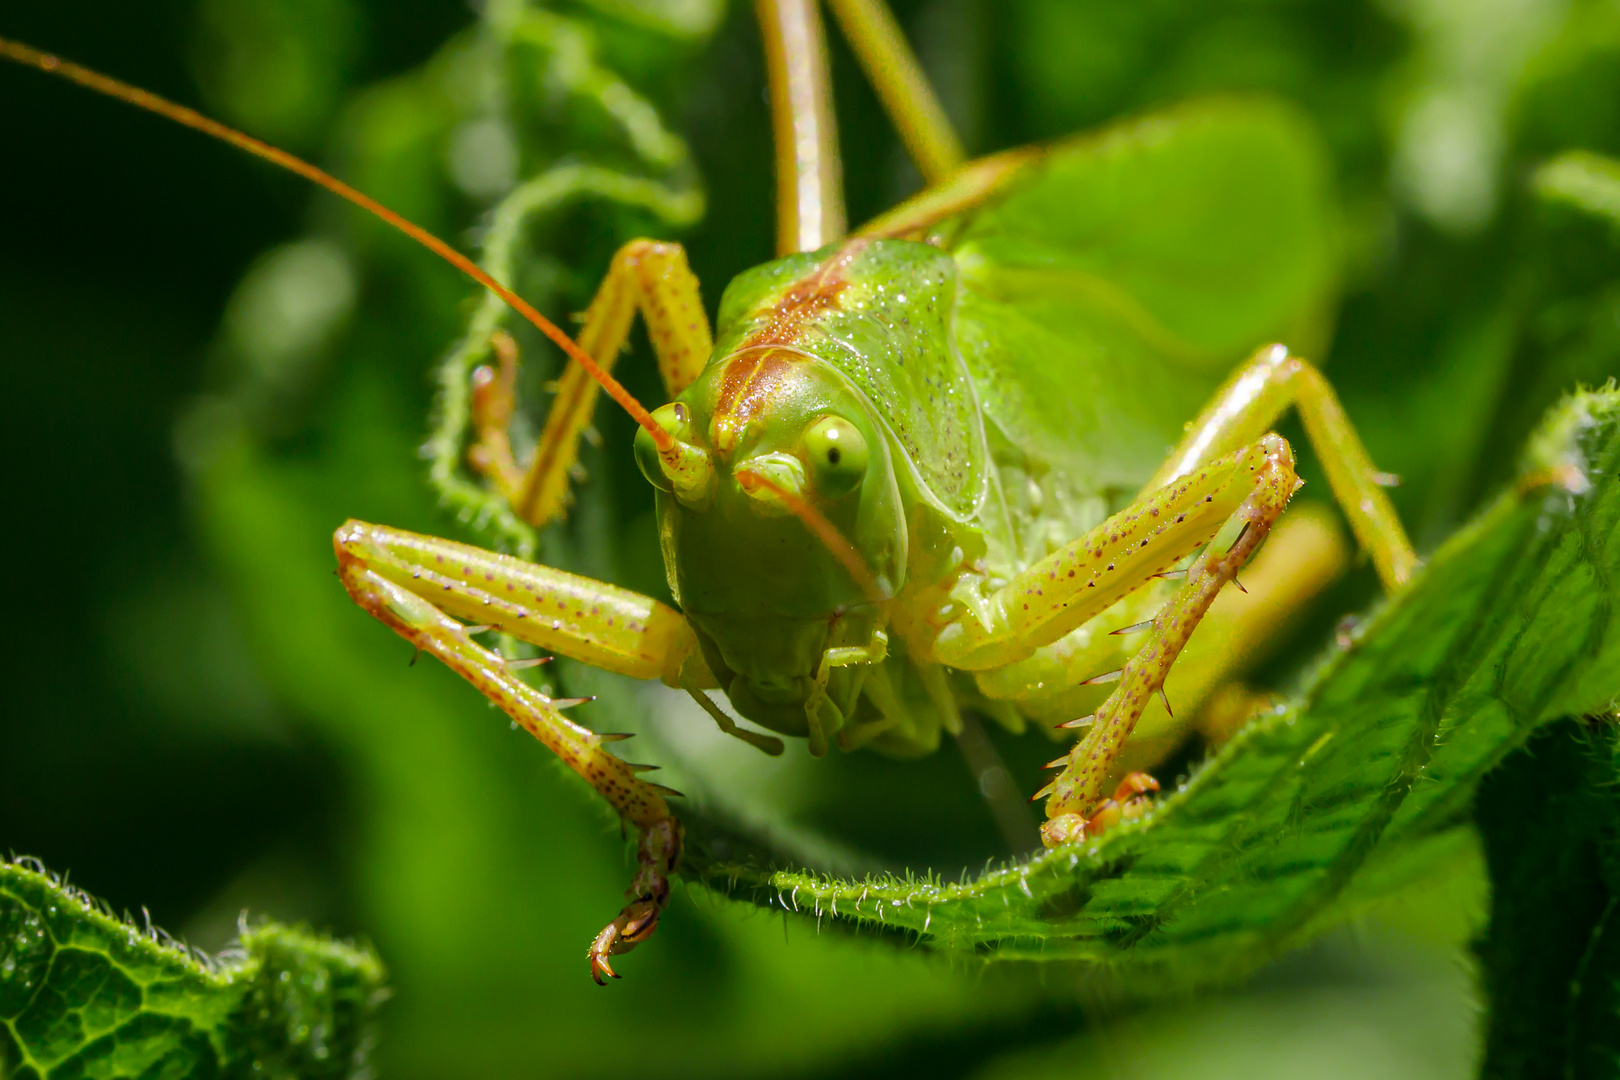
(1107, 294)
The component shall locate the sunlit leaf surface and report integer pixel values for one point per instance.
(85, 994)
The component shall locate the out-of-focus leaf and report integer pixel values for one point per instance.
(1588, 181)
(276, 67)
(1570, 90)
(1514, 622)
(85, 994)
(678, 18)
(1417, 1025)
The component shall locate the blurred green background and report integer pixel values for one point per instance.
(214, 366)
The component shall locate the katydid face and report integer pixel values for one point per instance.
(777, 428)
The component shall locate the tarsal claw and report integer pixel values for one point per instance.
(657, 855)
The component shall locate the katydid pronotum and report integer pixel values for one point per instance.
(875, 511)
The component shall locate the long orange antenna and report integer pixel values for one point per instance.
(143, 99)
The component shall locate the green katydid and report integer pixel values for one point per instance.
(903, 481)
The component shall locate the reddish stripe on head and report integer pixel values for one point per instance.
(751, 378)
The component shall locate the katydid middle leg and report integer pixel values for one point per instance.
(421, 586)
(1181, 507)
(1087, 577)
(1072, 809)
(649, 276)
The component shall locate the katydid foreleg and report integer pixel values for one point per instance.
(1072, 805)
(1306, 552)
(600, 624)
(649, 276)
(415, 584)
(1086, 577)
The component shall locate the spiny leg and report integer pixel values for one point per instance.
(415, 584)
(649, 276)
(1083, 579)
(1251, 400)
(1307, 550)
(972, 184)
(600, 624)
(809, 174)
(592, 621)
(1072, 809)
(880, 46)
(1250, 403)
(1192, 492)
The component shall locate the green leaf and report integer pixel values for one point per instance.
(1583, 180)
(1551, 957)
(85, 994)
(1514, 622)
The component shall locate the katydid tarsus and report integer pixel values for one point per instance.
(901, 482)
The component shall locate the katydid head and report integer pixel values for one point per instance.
(781, 523)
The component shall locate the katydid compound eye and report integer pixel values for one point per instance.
(836, 452)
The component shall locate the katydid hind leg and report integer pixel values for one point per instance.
(809, 169)
(891, 67)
